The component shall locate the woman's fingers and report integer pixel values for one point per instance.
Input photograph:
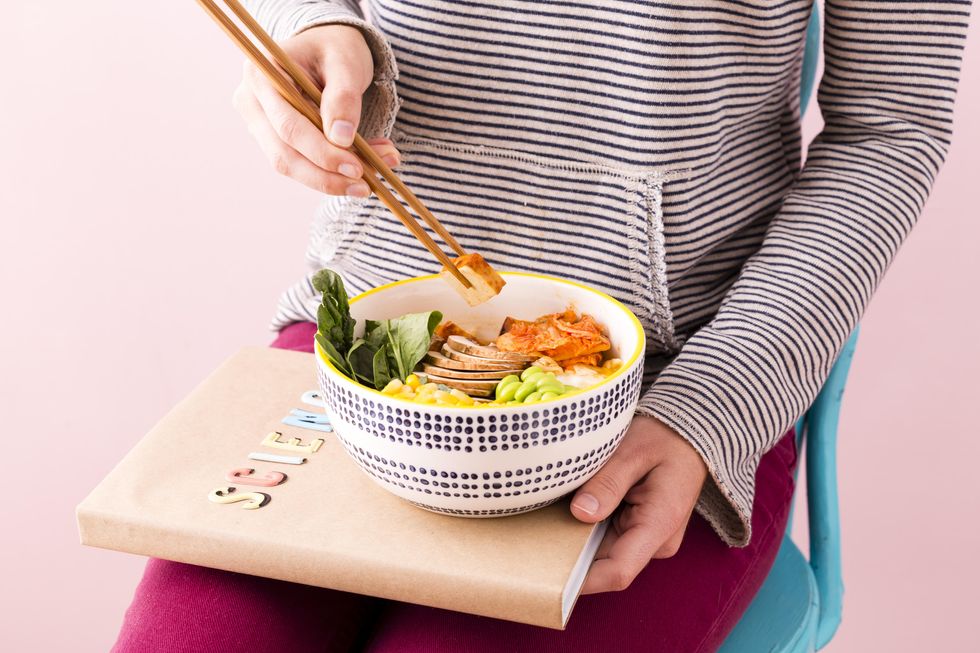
(673, 544)
(296, 131)
(288, 161)
(637, 534)
(386, 150)
(658, 477)
(344, 85)
(607, 542)
(338, 58)
(626, 558)
(601, 494)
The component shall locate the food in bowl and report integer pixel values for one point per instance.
(495, 460)
(419, 357)
(485, 283)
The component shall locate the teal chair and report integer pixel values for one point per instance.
(799, 606)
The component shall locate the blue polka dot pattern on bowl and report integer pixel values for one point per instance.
(442, 459)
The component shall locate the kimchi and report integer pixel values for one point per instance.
(565, 337)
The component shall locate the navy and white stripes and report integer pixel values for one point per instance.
(652, 150)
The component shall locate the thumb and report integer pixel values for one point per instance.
(341, 105)
(602, 493)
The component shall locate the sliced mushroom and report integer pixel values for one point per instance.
(472, 388)
(467, 346)
(467, 375)
(472, 363)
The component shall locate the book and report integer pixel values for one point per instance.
(321, 522)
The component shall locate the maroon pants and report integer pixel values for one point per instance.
(682, 604)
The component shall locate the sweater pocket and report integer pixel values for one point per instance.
(595, 224)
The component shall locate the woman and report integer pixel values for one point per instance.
(649, 150)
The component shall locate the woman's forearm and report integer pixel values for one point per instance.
(285, 18)
(887, 99)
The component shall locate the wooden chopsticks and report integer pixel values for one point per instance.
(309, 107)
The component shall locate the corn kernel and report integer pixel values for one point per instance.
(442, 396)
(393, 386)
(412, 380)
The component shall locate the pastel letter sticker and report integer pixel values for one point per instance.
(294, 444)
(244, 476)
(252, 500)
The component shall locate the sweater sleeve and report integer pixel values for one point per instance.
(739, 383)
(286, 18)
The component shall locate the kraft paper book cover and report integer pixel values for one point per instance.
(327, 524)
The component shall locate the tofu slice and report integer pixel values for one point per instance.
(486, 282)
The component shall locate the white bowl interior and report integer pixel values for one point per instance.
(524, 297)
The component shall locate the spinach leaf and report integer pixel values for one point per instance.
(360, 358)
(382, 374)
(339, 360)
(389, 348)
(334, 320)
(376, 332)
(410, 336)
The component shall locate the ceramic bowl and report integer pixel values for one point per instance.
(486, 462)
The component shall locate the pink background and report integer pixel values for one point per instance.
(145, 239)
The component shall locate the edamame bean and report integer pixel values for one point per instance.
(531, 371)
(548, 383)
(506, 381)
(506, 392)
(527, 387)
(545, 377)
(548, 387)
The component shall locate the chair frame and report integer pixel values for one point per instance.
(817, 431)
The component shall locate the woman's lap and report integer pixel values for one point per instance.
(689, 602)
(180, 608)
(685, 603)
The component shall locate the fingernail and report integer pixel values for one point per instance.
(586, 503)
(391, 159)
(358, 190)
(349, 170)
(341, 133)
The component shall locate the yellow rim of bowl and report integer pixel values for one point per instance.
(640, 336)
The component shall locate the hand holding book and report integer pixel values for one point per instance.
(657, 477)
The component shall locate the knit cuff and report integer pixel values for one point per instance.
(725, 501)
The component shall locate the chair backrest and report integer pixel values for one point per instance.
(811, 57)
(817, 429)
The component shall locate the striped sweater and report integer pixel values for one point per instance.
(652, 150)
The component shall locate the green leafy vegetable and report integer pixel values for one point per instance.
(410, 336)
(333, 317)
(382, 373)
(389, 348)
(339, 360)
(361, 360)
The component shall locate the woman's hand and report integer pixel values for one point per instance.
(339, 60)
(657, 476)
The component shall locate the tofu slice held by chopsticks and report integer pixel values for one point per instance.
(485, 280)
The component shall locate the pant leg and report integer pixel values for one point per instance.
(685, 604)
(181, 608)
